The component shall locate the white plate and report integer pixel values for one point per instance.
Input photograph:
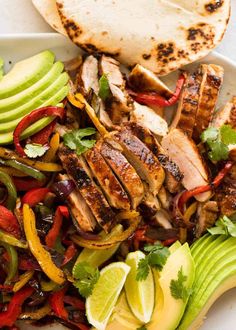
(16, 47)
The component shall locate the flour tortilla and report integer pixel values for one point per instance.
(162, 35)
(48, 9)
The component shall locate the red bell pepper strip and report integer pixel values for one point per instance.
(75, 302)
(42, 137)
(9, 317)
(151, 98)
(9, 222)
(35, 196)
(139, 236)
(56, 227)
(56, 301)
(27, 184)
(186, 195)
(169, 241)
(32, 118)
(6, 288)
(69, 254)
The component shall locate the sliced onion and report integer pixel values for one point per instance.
(63, 188)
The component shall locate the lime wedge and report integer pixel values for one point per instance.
(100, 304)
(140, 294)
(97, 257)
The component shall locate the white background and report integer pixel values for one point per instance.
(19, 16)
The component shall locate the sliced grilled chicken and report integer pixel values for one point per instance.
(120, 104)
(150, 203)
(183, 151)
(125, 173)
(144, 80)
(207, 214)
(226, 194)
(226, 116)
(142, 159)
(148, 118)
(88, 76)
(163, 219)
(173, 175)
(114, 192)
(212, 78)
(165, 198)
(78, 170)
(79, 209)
(188, 104)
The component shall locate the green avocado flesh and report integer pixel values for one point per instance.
(215, 259)
(32, 83)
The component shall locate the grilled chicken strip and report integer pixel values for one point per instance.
(226, 194)
(142, 159)
(79, 209)
(114, 192)
(78, 170)
(173, 175)
(88, 76)
(183, 151)
(148, 118)
(212, 78)
(144, 80)
(120, 104)
(188, 104)
(207, 214)
(150, 203)
(125, 173)
(226, 116)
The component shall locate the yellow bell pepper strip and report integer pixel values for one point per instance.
(36, 174)
(38, 165)
(36, 315)
(11, 240)
(127, 215)
(23, 280)
(42, 256)
(79, 102)
(11, 190)
(12, 171)
(105, 244)
(48, 286)
(12, 262)
(54, 145)
(190, 211)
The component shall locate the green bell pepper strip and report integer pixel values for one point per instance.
(24, 168)
(11, 240)
(13, 262)
(11, 190)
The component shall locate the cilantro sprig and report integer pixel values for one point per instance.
(75, 140)
(86, 277)
(104, 88)
(218, 141)
(156, 258)
(223, 226)
(178, 288)
(34, 150)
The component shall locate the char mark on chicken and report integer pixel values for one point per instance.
(76, 167)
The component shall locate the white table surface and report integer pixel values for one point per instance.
(19, 16)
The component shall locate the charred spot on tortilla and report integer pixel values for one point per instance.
(211, 7)
(146, 56)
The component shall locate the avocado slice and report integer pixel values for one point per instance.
(25, 73)
(7, 138)
(217, 275)
(31, 92)
(168, 310)
(10, 119)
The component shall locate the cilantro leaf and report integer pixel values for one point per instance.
(177, 287)
(223, 226)
(104, 88)
(35, 150)
(228, 134)
(86, 277)
(156, 258)
(218, 141)
(75, 140)
(1, 68)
